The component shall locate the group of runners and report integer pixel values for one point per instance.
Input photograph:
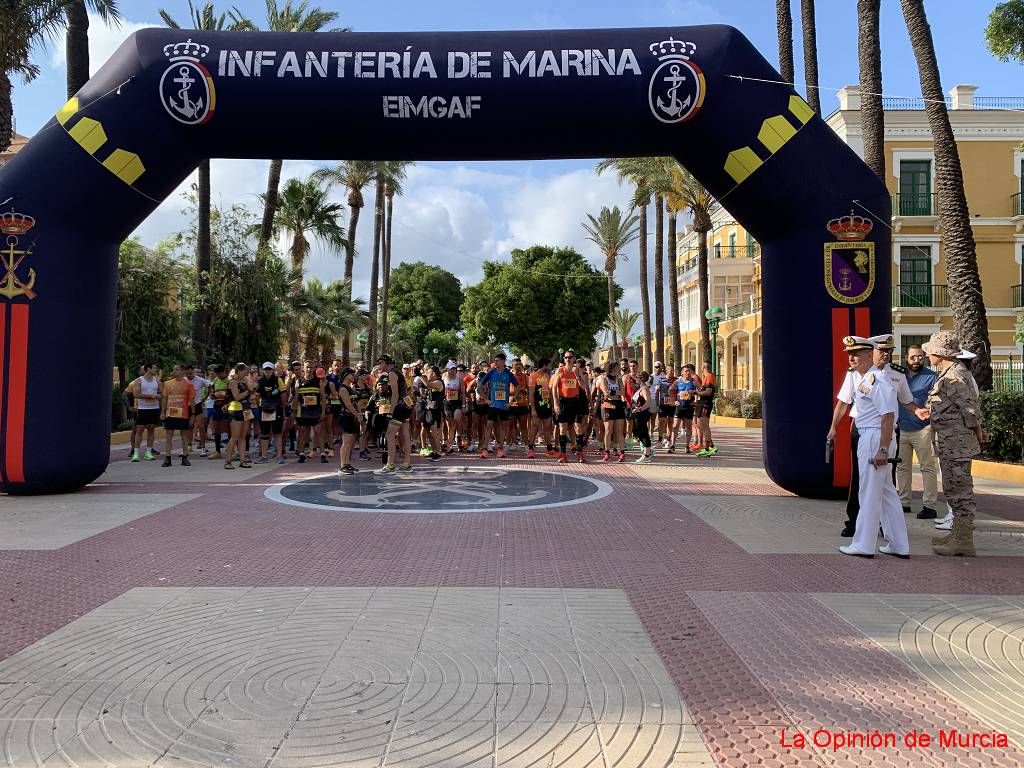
(257, 415)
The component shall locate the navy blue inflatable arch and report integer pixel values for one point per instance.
(168, 99)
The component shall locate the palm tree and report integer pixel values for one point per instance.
(324, 313)
(26, 23)
(611, 234)
(623, 321)
(810, 54)
(869, 59)
(965, 299)
(637, 170)
(204, 18)
(290, 17)
(784, 25)
(378, 222)
(673, 209)
(354, 175)
(401, 342)
(394, 172)
(304, 211)
(76, 44)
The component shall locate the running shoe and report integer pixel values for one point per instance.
(552, 454)
(302, 458)
(149, 456)
(387, 469)
(348, 469)
(622, 457)
(167, 461)
(135, 455)
(581, 458)
(642, 460)
(282, 460)
(433, 457)
(605, 456)
(203, 453)
(323, 458)
(712, 450)
(261, 460)
(364, 455)
(672, 449)
(405, 468)
(563, 459)
(530, 454)
(483, 454)
(501, 453)
(185, 462)
(703, 453)
(156, 452)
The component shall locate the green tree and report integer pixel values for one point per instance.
(611, 233)
(428, 294)
(305, 212)
(150, 307)
(622, 322)
(24, 25)
(76, 44)
(1004, 34)
(958, 245)
(445, 342)
(542, 299)
(324, 313)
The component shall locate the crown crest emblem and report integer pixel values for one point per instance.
(186, 50)
(12, 223)
(672, 48)
(852, 227)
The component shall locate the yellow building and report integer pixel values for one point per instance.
(989, 133)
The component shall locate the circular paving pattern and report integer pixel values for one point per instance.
(437, 490)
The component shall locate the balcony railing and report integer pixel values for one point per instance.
(1015, 205)
(999, 102)
(749, 307)
(920, 296)
(720, 251)
(905, 102)
(1017, 296)
(914, 204)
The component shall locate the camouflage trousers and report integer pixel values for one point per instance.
(958, 487)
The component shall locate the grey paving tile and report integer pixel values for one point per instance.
(543, 745)
(466, 744)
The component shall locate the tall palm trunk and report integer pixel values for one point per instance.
(869, 58)
(965, 299)
(645, 300)
(201, 316)
(673, 293)
(389, 195)
(6, 112)
(76, 45)
(355, 202)
(298, 258)
(378, 221)
(659, 273)
(784, 25)
(810, 54)
(702, 225)
(270, 202)
(613, 354)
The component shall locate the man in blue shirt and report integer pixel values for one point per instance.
(916, 437)
(496, 385)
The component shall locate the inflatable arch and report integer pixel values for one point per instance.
(167, 99)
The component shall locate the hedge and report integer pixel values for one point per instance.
(1003, 417)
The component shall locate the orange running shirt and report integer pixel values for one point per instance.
(568, 383)
(522, 394)
(180, 395)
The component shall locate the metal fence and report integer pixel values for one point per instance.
(1008, 376)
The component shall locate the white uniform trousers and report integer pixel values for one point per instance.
(879, 501)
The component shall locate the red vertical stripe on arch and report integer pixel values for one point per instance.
(3, 347)
(17, 382)
(841, 464)
(862, 322)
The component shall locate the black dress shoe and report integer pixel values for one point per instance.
(907, 510)
(847, 532)
(927, 513)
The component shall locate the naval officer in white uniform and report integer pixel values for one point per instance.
(875, 399)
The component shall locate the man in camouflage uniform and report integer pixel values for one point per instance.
(955, 414)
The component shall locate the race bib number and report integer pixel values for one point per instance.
(453, 395)
(384, 408)
(175, 412)
(220, 394)
(309, 401)
(247, 415)
(571, 385)
(267, 415)
(407, 400)
(499, 395)
(684, 395)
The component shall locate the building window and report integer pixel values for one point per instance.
(915, 287)
(732, 245)
(915, 198)
(751, 246)
(911, 340)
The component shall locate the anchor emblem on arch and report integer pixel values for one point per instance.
(14, 226)
(186, 86)
(676, 91)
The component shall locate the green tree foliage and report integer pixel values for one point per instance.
(541, 300)
(427, 294)
(1004, 34)
(445, 342)
(1003, 418)
(151, 309)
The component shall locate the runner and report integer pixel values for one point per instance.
(454, 397)
(596, 402)
(332, 428)
(519, 408)
(239, 411)
(684, 391)
(146, 392)
(379, 414)
(583, 428)
(175, 410)
(565, 402)
(292, 405)
(433, 412)
(540, 409)
(481, 407)
(630, 383)
(643, 403)
(273, 394)
(497, 385)
(219, 419)
(363, 393)
(657, 389)
(398, 429)
(349, 418)
(613, 411)
(702, 412)
(197, 419)
(310, 406)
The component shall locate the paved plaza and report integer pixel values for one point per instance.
(496, 613)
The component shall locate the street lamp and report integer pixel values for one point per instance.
(436, 357)
(714, 316)
(362, 337)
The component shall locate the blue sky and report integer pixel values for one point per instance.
(457, 215)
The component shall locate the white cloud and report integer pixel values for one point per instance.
(103, 41)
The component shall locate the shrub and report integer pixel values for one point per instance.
(1003, 417)
(728, 404)
(750, 408)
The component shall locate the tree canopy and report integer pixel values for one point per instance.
(1004, 34)
(541, 300)
(425, 292)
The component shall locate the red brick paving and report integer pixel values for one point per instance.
(748, 649)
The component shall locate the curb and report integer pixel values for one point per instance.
(732, 421)
(996, 470)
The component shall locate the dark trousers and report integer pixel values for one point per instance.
(852, 501)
